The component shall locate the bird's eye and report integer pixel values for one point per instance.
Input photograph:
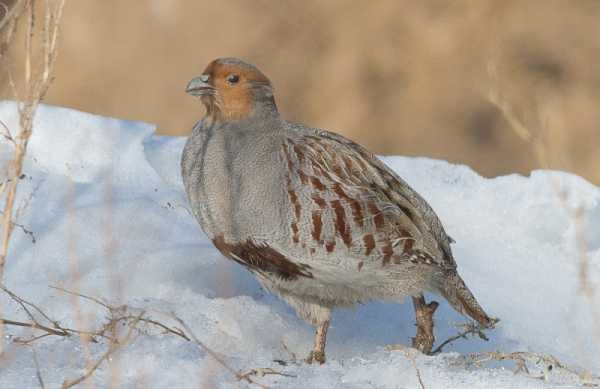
(233, 79)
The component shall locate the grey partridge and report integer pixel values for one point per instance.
(317, 218)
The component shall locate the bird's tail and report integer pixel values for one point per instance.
(461, 299)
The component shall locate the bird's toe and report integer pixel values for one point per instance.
(316, 357)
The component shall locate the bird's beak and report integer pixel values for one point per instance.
(199, 86)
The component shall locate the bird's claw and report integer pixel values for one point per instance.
(316, 357)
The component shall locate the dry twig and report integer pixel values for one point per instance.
(413, 361)
(470, 328)
(5, 132)
(118, 315)
(294, 358)
(524, 359)
(114, 346)
(217, 357)
(38, 373)
(56, 329)
(409, 353)
(261, 372)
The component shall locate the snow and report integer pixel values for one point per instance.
(104, 200)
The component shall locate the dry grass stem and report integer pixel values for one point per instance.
(261, 372)
(524, 359)
(118, 315)
(576, 214)
(293, 356)
(27, 306)
(114, 346)
(36, 84)
(470, 328)
(409, 353)
(38, 373)
(10, 16)
(5, 132)
(413, 361)
(24, 229)
(496, 99)
(239, 375)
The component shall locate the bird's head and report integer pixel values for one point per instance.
(232, 90)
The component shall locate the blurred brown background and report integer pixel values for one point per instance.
(401, 77)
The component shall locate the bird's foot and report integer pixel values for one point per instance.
(318, 353)
(424, 339)
(316, 357)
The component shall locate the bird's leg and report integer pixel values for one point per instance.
(424, 339)
(318, 352)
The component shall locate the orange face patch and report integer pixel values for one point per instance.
(234, 100)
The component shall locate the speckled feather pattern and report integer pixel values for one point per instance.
(350, 202)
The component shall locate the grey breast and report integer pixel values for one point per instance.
(232, 175)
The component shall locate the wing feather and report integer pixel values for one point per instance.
(346, 199)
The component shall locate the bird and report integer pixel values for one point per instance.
(317, 218)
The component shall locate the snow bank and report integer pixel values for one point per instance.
(106, 207)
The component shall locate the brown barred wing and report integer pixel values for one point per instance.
(413, 204)
(261, 258)
(342, 204)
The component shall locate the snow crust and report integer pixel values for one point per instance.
(104, 200)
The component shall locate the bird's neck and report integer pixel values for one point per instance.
(261, 111)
